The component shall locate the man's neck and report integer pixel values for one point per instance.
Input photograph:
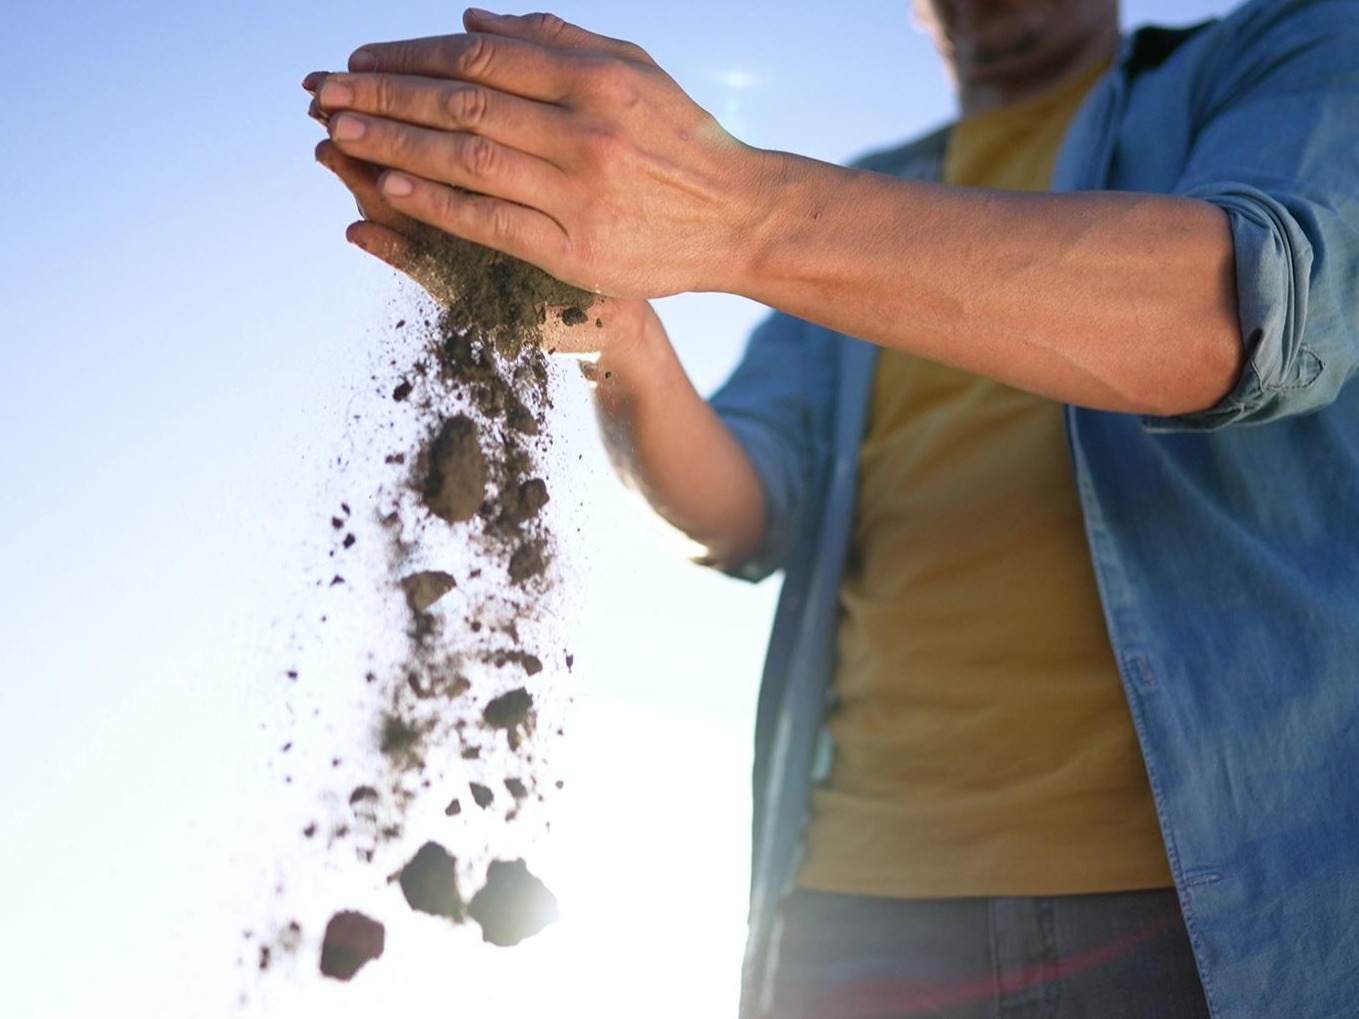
(982, 89)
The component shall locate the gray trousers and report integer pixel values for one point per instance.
(1123, 955)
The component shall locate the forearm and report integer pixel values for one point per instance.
(666, 442)
(1114, 301)
(576, 153)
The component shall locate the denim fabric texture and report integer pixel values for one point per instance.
(1225, 543)
(1117, 956)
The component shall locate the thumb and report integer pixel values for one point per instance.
(552, 32)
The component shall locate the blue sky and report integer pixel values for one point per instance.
(184, 335)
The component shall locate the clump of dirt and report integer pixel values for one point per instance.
(455, 471)
(513, 905)
(509, 710)
(471, 380)
(491, 294)
(430, 882)
(351, 941)
(425, 588)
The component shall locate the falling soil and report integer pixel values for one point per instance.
(425, 588)
(513, 905)
(509, 710)
(351, 940)
(472, 379)
(430, 882)
(455, 476)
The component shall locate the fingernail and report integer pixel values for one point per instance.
(481, 15)
(309, 82)
(334, 94)
(347, 128)
(397, 186)
(363, 60)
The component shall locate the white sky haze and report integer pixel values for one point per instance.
(184, 339)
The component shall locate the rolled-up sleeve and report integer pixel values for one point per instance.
(1278, 152)
(777, 405)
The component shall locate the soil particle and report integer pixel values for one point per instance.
(351, 940)
(430, 882)
(509, 710)
(453, 809)
(525, 502)
(513, 905)
(529, 560)
(455, 483)
(482, 796)
(519, 417)
(425, 588)
(398, 737)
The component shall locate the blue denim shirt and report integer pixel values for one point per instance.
(1226, 543)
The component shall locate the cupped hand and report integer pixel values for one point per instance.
(561, 147)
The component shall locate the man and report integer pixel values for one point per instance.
(1068, 526)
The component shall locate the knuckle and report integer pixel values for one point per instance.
(475, 57)
(501, 222)
(479, 156)
(547, 25)
(445, 205)
(384, 94)
(466, 107)
(614, 82)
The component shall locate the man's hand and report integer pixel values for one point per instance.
(561, 147)
(578, 154)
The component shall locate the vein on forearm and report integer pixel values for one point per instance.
(1114, 301)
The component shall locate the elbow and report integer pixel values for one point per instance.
(1202, 338)
(1200, 324)
(735, 541)
(1200, 381)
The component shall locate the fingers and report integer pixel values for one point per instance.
(362, 180)
(464, 160)
(441, 105)
(514, 229)
(382, 242)
(498, 62)
(553, 32)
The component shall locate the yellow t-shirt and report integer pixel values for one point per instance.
(983, 745)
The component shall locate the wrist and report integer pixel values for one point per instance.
(631, 351)
(787, 210)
